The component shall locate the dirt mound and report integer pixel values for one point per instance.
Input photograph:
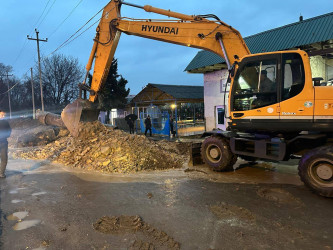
(105, 149)
(134, 224)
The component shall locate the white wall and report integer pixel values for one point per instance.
(214, 85)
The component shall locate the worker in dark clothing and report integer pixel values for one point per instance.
(266, 84)
(148, 125)
(130, 119)
(173, 133)
(130, 123)
(5, 132)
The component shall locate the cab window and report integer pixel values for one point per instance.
(255, 85)
(293, 75)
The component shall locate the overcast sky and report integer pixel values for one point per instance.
(140, 60)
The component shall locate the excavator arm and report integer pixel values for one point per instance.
(195, 31)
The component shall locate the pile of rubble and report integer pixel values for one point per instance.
(105, 149)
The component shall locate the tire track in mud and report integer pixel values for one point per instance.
(251, 224)
(152, 237)
(279, 195)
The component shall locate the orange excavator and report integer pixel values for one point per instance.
(275, 111)
(191, 31)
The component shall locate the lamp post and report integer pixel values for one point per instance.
(173, 106)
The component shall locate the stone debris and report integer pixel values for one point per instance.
(102, 148)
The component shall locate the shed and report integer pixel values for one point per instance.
(182, 102)
(158, 94)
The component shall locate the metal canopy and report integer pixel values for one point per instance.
(314, 35)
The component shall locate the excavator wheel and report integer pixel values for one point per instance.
(316, 170)
(216, 153)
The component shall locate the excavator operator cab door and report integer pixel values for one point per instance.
(297, 94)
(255, 92)
(269, 94)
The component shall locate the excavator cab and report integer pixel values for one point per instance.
(269, 92)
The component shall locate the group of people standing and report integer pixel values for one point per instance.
(148, 126)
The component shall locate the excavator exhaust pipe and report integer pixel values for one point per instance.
(79, 111)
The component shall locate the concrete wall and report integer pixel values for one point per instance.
(214, 85)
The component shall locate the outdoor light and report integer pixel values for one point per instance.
(173, 106)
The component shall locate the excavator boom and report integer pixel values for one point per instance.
(192, 31)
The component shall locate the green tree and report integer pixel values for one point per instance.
(113, 94)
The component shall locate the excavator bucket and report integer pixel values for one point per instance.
(77, 111)
(105, 44)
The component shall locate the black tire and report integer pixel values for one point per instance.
(316, 170)
(216, 153)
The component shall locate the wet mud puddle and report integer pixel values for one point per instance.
(22, 225)
(146, 236)
(25, 224)
(18, 216)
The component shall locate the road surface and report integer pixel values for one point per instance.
(262, 206)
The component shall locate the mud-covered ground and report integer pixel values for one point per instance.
(262, 206)
(97, 202)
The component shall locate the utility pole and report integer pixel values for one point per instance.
(33, 96)
(9, 104)
(40, 72)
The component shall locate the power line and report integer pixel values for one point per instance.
(10, 88)
(66, 18)
(26, 41)
(20, 53)
(41, 14)
(46, 13)
(68, 41)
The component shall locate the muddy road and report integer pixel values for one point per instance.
(45, 206)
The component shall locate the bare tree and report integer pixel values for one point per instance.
(4, 82)
(60, 77)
